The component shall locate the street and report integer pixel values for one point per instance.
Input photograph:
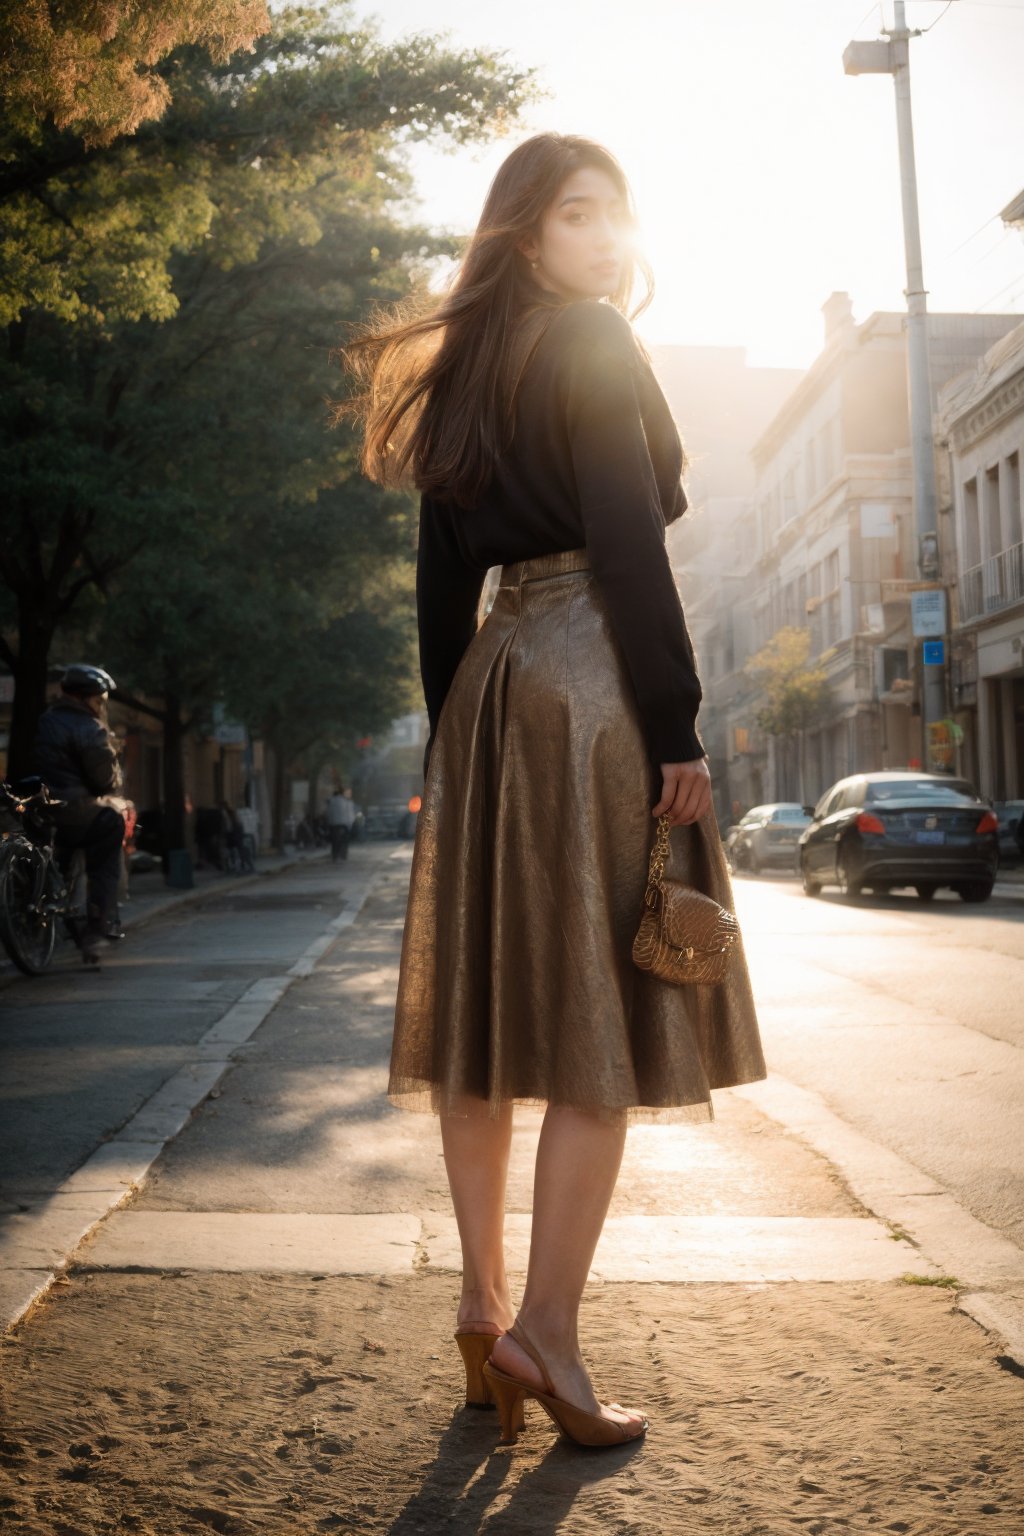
(254, 1336)
(908, 1020)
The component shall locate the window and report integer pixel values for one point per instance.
(970, 534)
(825, 438)
(830, 612)
(1014, 511)
(894, 663)
(992, 533)
(829, 803)
(918, 791)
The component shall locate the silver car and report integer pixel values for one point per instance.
(766, 835)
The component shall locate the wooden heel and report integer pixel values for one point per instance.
(475, 1349)
(511, 1401)
(577, 1424)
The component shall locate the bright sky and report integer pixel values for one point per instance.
(764, 177)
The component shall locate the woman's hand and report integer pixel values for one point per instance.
(685, 791)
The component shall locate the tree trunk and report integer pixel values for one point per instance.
(174, 775)
(29, 670)
(279, 794)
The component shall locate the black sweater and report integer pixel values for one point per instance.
(595, 463)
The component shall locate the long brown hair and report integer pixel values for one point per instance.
(436, 380)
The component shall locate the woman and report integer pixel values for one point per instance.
(562, 726)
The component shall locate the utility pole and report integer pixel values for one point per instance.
(893, 58)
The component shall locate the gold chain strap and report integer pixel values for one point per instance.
(656, 867)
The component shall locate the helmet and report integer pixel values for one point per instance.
(82, 679)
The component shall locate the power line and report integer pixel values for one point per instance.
(870, 11)
(1010, 299)
(977, 232)
(1000, 291)
(1006, 235)
(938, 18)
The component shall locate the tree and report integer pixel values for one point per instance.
(797, 693)
(91, 231)
(163, 401)
(94, 69)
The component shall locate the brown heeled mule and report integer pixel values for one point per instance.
(475, 1347)
(575, 1423)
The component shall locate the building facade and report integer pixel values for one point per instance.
(826, 542)
(980, 424)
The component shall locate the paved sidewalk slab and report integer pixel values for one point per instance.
(684, 1249)
(219, 1241)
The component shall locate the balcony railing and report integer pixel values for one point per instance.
(993, 584)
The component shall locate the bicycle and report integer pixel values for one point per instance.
(34, 891)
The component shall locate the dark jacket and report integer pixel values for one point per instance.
(74, 754)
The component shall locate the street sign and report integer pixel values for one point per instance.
(934, 653)
(928, 612)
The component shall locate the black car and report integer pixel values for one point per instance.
(891, 828)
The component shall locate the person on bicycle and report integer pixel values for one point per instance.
(74, 753)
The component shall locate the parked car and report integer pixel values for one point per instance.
(1009, 813)
(890, 829)
(386, 819)
(766, 835)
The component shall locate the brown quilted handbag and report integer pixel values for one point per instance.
(683, 935)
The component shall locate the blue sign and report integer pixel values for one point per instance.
(934, 653)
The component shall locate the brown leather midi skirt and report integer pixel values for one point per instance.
(528, 871)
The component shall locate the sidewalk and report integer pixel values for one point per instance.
(149, 896)
(258, 1340)
(1010, 880)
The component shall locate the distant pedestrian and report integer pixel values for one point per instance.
(233, 835)
(250, 824)
(341, 813)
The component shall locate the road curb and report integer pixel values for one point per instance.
(988, 1267)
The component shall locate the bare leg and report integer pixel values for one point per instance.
(476, 1152)
(578, 1160)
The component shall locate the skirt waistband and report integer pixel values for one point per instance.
(558, 563)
